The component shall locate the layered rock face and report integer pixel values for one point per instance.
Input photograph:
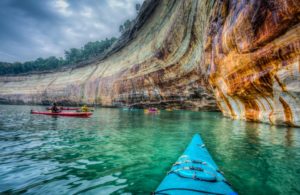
(254, 52)
(240, 55)
(156, 62)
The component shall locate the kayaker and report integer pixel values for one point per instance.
(84, 109)
(152, 109)
(54, 108)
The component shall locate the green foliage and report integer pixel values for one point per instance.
(137, 7)
(72, 57)
(121, 29)
(127, 24)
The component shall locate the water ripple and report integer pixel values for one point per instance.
(123, 152)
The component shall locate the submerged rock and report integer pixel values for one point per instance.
(239, 56)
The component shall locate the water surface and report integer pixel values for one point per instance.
(129, 152)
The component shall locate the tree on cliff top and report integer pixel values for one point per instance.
(71, 58)
(127, 24)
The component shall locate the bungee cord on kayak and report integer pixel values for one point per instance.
(189, 190)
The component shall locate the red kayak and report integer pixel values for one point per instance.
(72, 114)
(65, 108)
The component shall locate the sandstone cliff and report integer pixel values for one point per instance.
(253, 50)
(240, 55)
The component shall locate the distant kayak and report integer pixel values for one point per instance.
(195, 172)
(71, 114)
(151, 110)
(65, 108)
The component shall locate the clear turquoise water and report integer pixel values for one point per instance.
(118, 151)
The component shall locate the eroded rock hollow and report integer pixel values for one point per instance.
(241, 57)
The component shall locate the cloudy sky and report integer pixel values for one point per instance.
(42, 28)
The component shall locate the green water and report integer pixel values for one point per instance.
(123, 152)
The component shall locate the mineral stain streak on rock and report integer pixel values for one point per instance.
(240, 56)
(254, 50)
(287, 112)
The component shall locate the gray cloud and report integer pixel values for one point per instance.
(35, 28)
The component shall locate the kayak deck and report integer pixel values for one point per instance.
(71, 114)
(195, 172)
